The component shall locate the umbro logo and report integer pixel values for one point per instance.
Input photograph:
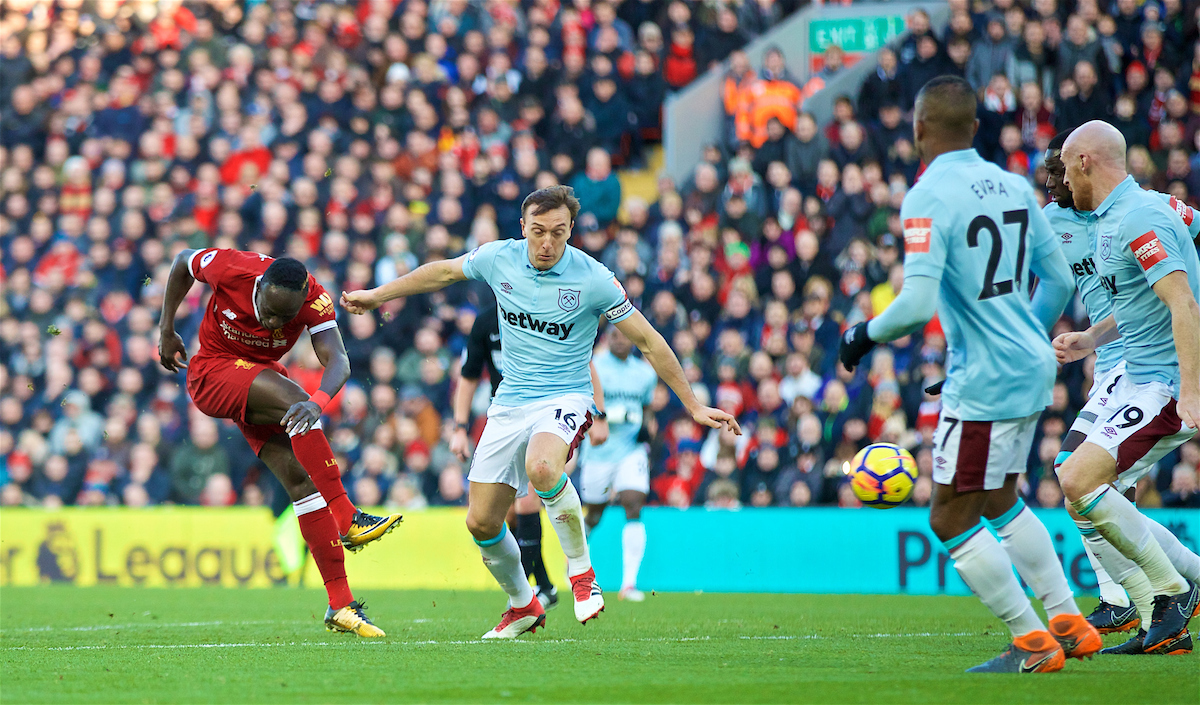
(506, 287)
(1110, 431)
(229, 314)
(1066, 237)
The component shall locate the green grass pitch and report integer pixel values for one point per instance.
(63, 644)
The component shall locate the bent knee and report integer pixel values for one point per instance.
(483, 528)
(940, 524)
(1076, 478)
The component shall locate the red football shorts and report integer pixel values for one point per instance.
(220, 386)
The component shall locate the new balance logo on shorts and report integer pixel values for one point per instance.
(524, 320)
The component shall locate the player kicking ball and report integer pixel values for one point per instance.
(972, 233)
(550, 298)
(621, 466)
(1146, 254)
(259, 308)
(1126, 598)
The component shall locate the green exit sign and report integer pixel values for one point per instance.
(854, 34)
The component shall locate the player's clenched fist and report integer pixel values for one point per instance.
(360, 301)
(460, 445)
(1070, 347)
(171, 351)
(1188, 407)
(854, 346)
(715, 418)
(301, 417)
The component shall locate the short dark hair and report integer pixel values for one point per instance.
(286, 273)
(550, 198)
(1057, 142)
(950, 103)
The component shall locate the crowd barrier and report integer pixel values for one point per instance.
(752, 550)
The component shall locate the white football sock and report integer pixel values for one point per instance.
(1110, 592)
(987, 570)
(1119, 568)
(1028, 545)
(633, 547)
(502, 556)
(1125, 528)
(566, 516)
(1186, 562)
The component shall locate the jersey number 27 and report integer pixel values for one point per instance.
(991, 287)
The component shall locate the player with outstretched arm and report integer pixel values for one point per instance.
(259, 308)
(972, 233)
(551, 297)
(483, 350)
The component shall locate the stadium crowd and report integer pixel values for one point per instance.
(366, 137)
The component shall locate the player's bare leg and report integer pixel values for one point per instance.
(320, 533)
(987, 570)
(1031, 550)
(545, 461)
(270, 398)
(526, 522)
(1087, 478)
(593, 515)
(489, 504)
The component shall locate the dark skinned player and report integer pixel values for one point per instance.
(258, 310)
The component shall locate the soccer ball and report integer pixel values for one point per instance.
(882, 475)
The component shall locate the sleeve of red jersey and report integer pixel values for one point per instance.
(319, 313)
(208, 264)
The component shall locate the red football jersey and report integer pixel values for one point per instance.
(230, 326)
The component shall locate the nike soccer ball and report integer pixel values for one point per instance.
(882, 475)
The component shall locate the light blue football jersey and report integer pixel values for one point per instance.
(1141, 240)
(1185, 212)
(1078, 234)
(628, 387)
(976, 228)
(548, 320)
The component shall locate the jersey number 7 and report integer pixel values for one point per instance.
(990, 286)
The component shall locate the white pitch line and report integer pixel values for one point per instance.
(917, 635)
(98, 647)
(164, 625)
(433, 642)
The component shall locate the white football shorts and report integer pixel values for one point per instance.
(599, 480)
(1137, 424)
(1102, 390)
(500, 456)
(978, 455)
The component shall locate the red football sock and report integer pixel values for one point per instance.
(313, 451)
(321, 534)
